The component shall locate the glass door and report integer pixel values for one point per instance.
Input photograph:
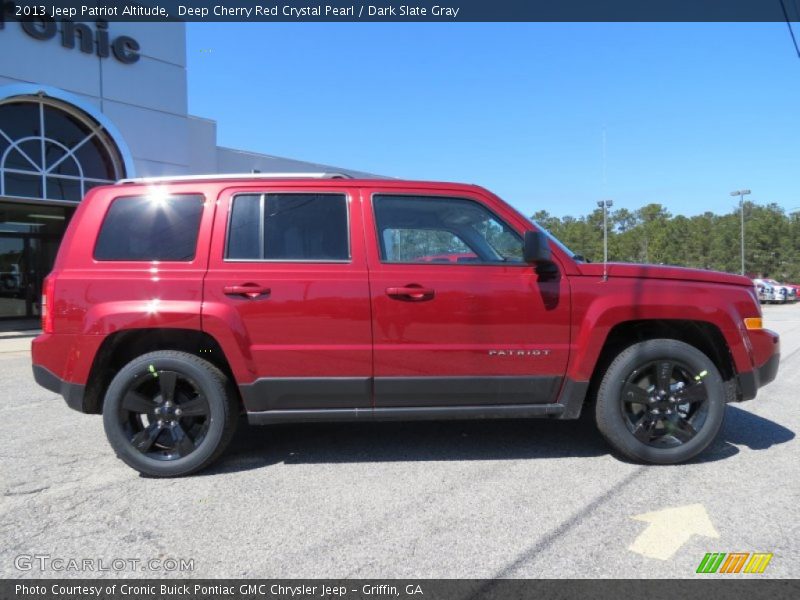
(40, 254)
(29, 238)
(13, 292)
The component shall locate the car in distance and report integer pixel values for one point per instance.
(784, 292)
(176, 304)
(795, 287)
(764, 291)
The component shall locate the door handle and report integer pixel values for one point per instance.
(413, 292)
(248, 290)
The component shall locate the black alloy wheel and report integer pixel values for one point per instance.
(665, 403)
(661, 401)
(164, 414)
(169, 413)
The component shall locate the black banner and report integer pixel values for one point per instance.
(713, 588)
(407, 11)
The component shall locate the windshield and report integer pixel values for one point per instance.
(558, 242)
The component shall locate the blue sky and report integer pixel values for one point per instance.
(690, 111)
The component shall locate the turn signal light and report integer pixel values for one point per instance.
(754, 323)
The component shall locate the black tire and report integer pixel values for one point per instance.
(169, 434)
(675, 413)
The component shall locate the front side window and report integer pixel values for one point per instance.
(163, 228)
(419, 229)
(288, 227)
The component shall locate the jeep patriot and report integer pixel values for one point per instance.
(175, 305)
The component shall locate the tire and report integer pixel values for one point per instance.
(169, 434)
(651, 424)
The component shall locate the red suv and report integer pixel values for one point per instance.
(176, 304)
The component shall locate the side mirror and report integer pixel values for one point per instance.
(535, 248)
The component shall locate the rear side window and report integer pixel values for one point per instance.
(288, 227)
(150, 228)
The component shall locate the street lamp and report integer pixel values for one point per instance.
(741, 194)
(605, 205)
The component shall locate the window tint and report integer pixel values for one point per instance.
(150, 228)
(442, 230)
(243, 231)
(288, 227)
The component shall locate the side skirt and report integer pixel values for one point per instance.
(425, 413)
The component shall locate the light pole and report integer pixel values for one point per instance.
(741, 194)
(605, 205)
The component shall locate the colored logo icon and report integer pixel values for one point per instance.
(734, 562)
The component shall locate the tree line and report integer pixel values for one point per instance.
(707, 241)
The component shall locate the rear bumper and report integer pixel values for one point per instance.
(73, 393)
(61, 364)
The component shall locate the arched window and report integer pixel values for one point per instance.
(51, 150)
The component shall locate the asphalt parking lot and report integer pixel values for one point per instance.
(420, 500)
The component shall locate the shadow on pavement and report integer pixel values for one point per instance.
(255, 447)
(757, 433)
(743, 428)
(310, 443)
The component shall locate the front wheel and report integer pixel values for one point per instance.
(661, 401)
(169, 413)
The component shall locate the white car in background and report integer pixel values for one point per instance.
(764, 291)
(786, 292)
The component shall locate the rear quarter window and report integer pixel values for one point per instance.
(150, 228)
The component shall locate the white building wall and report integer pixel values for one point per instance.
(146, 101)
(230, 160)
(33, 61)
(202, 145)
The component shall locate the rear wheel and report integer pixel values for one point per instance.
(661, 401)
(169, 413)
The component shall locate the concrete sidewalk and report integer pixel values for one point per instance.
(17, 341)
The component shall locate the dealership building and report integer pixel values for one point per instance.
(87, 104)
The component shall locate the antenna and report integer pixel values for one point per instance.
(605, 180)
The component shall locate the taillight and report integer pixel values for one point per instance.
(47, 304)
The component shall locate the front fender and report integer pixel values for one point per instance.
(599, 306)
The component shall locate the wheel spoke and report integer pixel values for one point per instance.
(633, 394)
(183, 445)
(664, 370)
(680, 428)
(145, 439)
(643, 430)
(138, 403)
(692, 394)
(196, 407)
(166, 380)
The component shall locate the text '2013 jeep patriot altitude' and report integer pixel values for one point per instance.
(176, 304)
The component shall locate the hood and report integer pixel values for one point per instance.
(662, 272)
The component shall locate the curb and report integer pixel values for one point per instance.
(17, 342)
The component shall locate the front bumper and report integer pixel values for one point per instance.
(766, 357)
(73, 393)
(751, 381)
